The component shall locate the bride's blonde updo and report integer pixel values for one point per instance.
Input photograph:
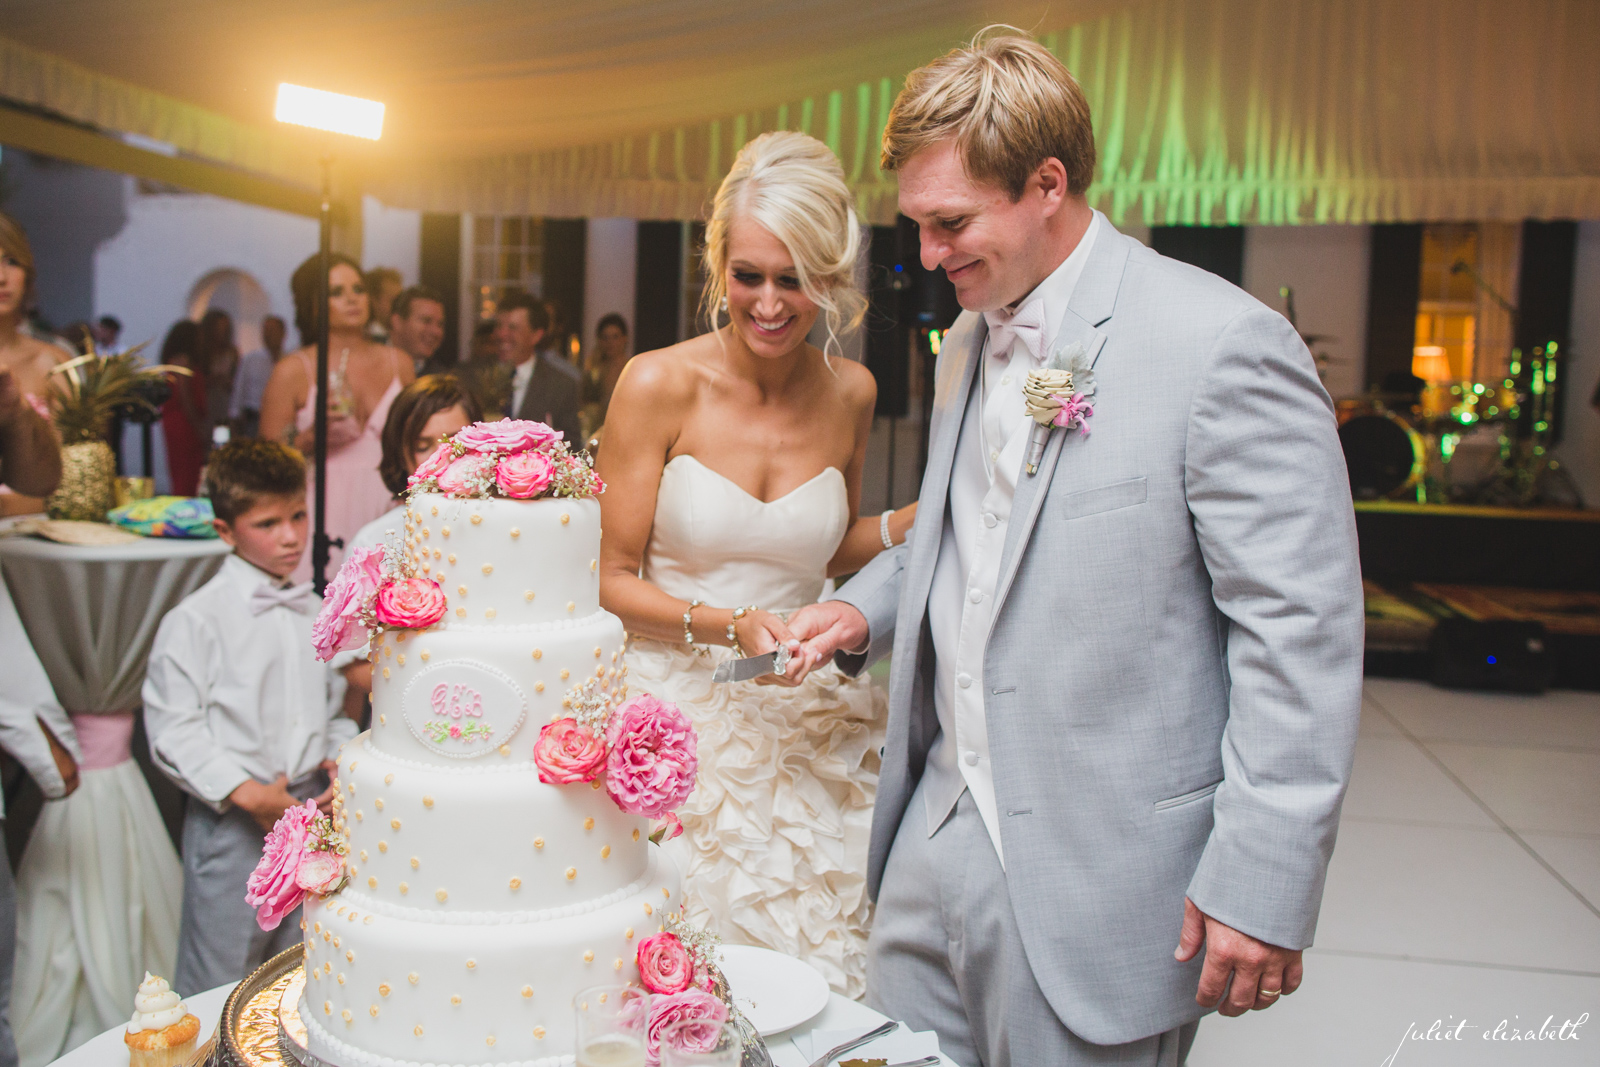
(792, 185)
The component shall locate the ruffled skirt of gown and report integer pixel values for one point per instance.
(774, 844)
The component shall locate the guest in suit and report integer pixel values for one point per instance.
(1127, 668)
(539, 390)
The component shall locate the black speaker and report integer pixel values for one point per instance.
(1506, 655)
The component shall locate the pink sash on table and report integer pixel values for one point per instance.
(105, 737)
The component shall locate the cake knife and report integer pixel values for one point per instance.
(742, 670)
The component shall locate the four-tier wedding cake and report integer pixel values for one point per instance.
(489, 852)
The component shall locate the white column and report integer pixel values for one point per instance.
(1327, 267)
(610, 262)
(1580, 442)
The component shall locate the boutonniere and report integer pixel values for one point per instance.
(1058, 394)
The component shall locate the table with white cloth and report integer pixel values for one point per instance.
(99, 889)
(109, 1050)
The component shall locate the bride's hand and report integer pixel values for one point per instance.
(760, 632)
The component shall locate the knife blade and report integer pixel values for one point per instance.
(742, 670)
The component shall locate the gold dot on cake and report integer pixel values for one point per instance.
(527, 991)
(440, 895)
(404, 888)
(366, 921)
(424, 655)
(488, 568)
(444, 531)
(378, 803)
(594, 564)
(350, 955)
(383, 989)
(386, 672)
(489, 614)
(326, 936)
(617, 966)
(572, 606)
(588, 824)
(427, 802)
(383, 846)
(327, 1007)
(596, 784)
(565, 674)
(455, 998)
(538, 653)
(363, 855)
(605, 852)
(489, 1040)
(383, 720)
(516, 532)
(666, 892)
(388, 779)
(417, 1029)
(360, 815)
(516, 883)
(340, 977)
(588, 955)
(336, 942)
(435, 509)
(394, 824)
(648, 910)
(538, 842)
(317, 927)
(628, 933)
(572, 872)
(372, 883)
(327, 968)
(505, 750)
(636, 835)
(461, 613)
(565, 518)
(538, 687)
(461, 590)
(412, 977)
(527, 594)
(426, 533)
(401, 659)
(373, 1011)
(415, 863)
(452, 558)
(538, 1033)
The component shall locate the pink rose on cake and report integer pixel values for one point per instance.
(320, 872)
(274, 888)
(524, 475)
(568, 752)
(341, 624)
(410, 604)
(467, 475)
(689, 1006)
(651, 764)
(664, 964)
(507, 435)
(434, 465)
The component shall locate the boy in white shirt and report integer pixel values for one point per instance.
(239, 712)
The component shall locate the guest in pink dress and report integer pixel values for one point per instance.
(364, 377)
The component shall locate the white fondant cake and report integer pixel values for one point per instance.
(480, 898)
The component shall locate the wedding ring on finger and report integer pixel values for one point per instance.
(1269, 993)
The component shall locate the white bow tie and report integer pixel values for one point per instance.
(1025, 325)
(267, 596)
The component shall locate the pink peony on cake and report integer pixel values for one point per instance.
(490, 851)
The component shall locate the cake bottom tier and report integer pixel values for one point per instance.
(396, 987)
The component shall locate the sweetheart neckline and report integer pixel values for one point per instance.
(747, 493)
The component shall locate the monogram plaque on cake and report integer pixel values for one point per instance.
(463, 709)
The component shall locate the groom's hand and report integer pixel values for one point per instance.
(824, 629)
(1261, 973)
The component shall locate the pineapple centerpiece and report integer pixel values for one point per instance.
(92, 389)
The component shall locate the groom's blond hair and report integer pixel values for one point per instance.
(1008, 103)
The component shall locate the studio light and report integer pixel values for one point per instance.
(335, 112)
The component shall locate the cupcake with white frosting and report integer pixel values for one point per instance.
(161, 1033)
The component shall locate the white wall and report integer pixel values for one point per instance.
(1327, 267)
(610, 262)
(1580, 445)
(391, 237)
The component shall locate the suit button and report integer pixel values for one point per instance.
(975, 595)
(964, 680)
(971, 757)
(990, 520)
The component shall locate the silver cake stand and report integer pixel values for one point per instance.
(261, 1024)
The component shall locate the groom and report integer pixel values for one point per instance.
(1125, 688)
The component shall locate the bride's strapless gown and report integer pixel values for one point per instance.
(774, 848)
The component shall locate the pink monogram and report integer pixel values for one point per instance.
(454, 701)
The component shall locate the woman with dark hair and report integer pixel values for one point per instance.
(364, 378)
(602, 366)
(219, 361)
(425, 414)
(183, 416)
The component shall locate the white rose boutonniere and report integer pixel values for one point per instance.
(1058, 394)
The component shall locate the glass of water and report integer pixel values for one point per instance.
(691, 1043)
(610, 1026)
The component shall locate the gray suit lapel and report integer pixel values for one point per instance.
(1091, 305)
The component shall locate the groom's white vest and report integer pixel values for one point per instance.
(1173, 680)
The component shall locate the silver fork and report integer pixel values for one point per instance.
(871, 1035)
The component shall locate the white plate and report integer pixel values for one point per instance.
(775, 992)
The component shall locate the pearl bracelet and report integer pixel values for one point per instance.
(688, 633)
(883, 529)
(733, 637)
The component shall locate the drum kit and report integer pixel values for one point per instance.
(1459, 442)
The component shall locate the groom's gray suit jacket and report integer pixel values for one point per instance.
(1173, 679)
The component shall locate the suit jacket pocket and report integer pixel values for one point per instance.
(1188, 798)
(1104, 498)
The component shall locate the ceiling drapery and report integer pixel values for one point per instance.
(1206, 111)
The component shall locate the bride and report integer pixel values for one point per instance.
(733, 465)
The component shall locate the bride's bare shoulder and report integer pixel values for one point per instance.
(668, 375)
(856, 382)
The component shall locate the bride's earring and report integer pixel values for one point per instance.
(723, 306)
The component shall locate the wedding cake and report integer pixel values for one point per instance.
(489, 853)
